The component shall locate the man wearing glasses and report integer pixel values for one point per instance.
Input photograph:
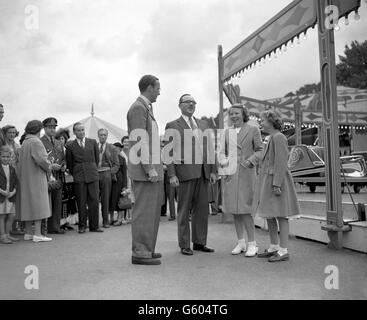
(191, 173)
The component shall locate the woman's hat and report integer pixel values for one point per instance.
(118, 145)
(33, 127)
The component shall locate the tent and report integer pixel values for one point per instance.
(92, 124)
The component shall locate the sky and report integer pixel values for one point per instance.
(83, 52)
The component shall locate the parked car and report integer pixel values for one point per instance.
(307, 166)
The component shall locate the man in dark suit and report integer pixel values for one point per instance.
(108, 165)
(191, 172)
(82, 160)
(146, 172)
(55, 153)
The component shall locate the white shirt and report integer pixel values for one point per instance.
(238, 129)
(7, 174)
(103, 148)
(187, 119)
(146, 100)
(81, 141)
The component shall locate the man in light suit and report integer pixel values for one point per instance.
(146, 171)
(108, 165)
(191, 175)
(82, 159)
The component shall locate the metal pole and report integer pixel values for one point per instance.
(335, 225)
(220, 86)
(221, 115)
(298, 121)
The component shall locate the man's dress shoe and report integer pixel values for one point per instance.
(187, 251)
(145, 261)
(106, 226)
(96, 230)
(200, 247)
(81, 231)
(156, 255)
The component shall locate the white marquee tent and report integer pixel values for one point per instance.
(92, 124)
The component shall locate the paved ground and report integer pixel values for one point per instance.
(97, 266)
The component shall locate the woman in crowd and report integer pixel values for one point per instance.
(8, 184)
(125, 154)
(68, 198)
(239, 176)
(10, 133)
(117, 187)
(33, 170)
(275, 195)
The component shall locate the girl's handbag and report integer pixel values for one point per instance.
(124, 203)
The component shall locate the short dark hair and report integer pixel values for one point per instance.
(124, 138)
(146, 81)
(183, 96)
(245, 113)
(76, 124)
(102, 129)
(274, 118)
(1, 106)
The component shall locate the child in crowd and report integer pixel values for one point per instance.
(7, 195)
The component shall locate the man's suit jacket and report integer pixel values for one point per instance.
(111, 155)
(186, 171)
(82, 162)
(54, 151)
(140, 117)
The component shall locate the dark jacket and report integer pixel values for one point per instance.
(55, 152)
(179, 167)
(123, 171)
(3, 182)
(111, 156)
(82, 162)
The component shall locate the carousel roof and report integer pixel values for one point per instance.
(92, 124)
(349, 99)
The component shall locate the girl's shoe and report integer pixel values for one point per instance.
(240, 247)
(41, 239)
(251, 251)
(267, 254)
(5, 240)
(277, 257)
(28, 237)
(12, 238)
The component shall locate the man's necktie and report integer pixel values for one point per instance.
(197, 145)
(82, 144)
(192, 124)
(100, 155)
